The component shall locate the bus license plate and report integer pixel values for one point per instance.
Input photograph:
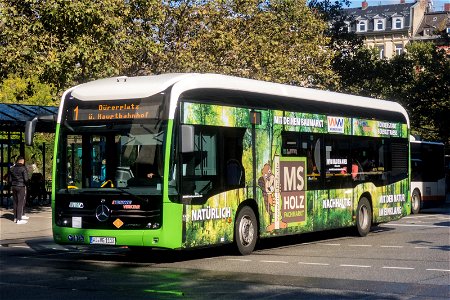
(102, 240)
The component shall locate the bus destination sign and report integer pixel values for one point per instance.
(105, 112)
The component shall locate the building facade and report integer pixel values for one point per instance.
(432, 27)
(388, 28)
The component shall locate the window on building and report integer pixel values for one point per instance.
(398, 49)
(379, 24)
(348, 26)
(447, 30)
(381, 51)
(398, 23)
(362, 26)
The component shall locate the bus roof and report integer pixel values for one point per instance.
(145, 86)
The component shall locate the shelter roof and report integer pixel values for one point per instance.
(14, 116)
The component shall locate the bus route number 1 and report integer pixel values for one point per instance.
(75, 112)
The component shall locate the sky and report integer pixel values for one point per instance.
(438, 4)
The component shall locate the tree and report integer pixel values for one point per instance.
(280, 41)
(64, 43)
(362, 73)
(346, 45)
(420, 80)
(21, 90)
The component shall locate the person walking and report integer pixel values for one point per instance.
(18, 179)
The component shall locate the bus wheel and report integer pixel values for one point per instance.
(415, 202)
(245, 231)
(363, 217)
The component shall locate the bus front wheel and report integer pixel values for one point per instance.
(245, 231)
(415, 202)
(364, 217)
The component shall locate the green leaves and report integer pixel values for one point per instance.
(48, 46)
(20, 90)
(64, 43)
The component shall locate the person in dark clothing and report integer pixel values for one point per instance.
(18, 179)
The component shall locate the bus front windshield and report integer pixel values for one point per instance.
(120, 155)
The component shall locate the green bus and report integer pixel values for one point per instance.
(181, 161)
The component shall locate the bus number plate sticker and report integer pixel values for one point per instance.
(102, 240)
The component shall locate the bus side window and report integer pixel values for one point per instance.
(373, 158)
(338, 164)
(199, 169)
(311, 145)
(305, 145)
(231, 152)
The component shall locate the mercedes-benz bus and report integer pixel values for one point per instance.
(194, 160)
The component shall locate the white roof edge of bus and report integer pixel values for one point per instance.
(145, 86)
(62, 103)
(197, 81)
(123, 87)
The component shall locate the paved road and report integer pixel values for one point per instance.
(406, 259)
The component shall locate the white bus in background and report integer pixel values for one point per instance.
(427, 174)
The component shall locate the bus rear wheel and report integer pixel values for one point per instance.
(415, 202)
(364, 217)
(245, 231)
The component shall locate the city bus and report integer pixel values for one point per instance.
(427, 174)
(181, 161)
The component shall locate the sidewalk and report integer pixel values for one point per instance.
(39, 224)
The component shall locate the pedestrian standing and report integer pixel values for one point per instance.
(18, 179)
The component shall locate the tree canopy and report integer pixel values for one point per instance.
(61, 43)
(47, 46)
(419, 79)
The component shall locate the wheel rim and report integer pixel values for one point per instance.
(363, 217)
(246, 231)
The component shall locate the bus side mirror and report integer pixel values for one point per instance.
(30, 127)
(187, 138)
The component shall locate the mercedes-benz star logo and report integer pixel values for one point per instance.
(102, 213)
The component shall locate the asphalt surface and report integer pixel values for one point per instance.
(79, 274)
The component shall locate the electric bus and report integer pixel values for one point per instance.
(181, 161)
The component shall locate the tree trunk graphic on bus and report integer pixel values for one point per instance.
(267, 183)
(283, 190)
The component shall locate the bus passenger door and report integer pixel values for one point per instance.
(309, 146)
(339, 176)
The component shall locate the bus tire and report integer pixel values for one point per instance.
(415, 202)
(245, 231)
(363, 216)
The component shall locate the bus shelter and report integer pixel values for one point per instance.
(13, 118)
